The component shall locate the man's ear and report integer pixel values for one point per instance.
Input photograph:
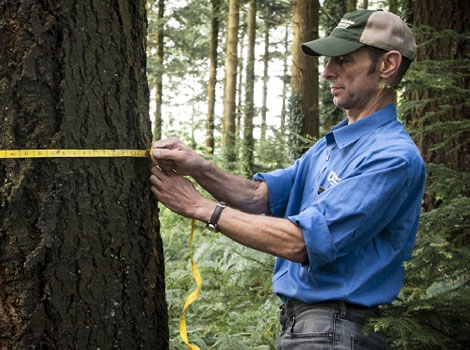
(391, 61)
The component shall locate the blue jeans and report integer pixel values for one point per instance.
(327, 326)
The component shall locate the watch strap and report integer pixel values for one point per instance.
(212, 224)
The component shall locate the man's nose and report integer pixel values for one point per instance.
(329, 71)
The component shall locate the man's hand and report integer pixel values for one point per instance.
(179, 195)
(172, 154)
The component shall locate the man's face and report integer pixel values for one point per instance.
(353, 85)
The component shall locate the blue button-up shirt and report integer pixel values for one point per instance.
(356, 195)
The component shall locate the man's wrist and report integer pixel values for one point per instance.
(213, 222)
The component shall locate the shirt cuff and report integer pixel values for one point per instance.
(278, 196)
(321, 249)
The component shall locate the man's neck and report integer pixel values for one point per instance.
(384, 98)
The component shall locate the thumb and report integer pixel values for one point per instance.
(166, 154)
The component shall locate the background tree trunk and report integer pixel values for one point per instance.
(352, 4)
(212, 76)
(285, 79)
(81, 263)
(157, 131)
(264, 108)
(304, 81)
(240, 85)
(248, 144)
(437, 106)
(230, 83)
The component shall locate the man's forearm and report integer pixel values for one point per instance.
(275, 236)
(244, 194)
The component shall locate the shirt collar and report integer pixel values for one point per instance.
(344, 134)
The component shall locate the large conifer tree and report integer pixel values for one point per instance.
(81, 263)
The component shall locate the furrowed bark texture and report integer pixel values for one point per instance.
(452, 15)
(81, 262)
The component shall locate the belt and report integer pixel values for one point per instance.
(292, 307)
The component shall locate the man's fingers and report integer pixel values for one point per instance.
(168, 154)
(168, 143)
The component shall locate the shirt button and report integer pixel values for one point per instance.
(327, 157)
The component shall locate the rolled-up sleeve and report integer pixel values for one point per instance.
(352, 212)
(279, 187)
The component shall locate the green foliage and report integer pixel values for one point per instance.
(236, 308)
(271, 153)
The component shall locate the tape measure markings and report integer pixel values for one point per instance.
(72, 153)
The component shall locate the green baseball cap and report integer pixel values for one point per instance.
(356, 29)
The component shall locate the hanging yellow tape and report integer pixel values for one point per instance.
(192, 297)
(72, 153)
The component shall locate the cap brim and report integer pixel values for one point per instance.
(330, 46)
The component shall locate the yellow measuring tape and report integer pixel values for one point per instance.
(90, 153)
(192, 297)
(71, 153)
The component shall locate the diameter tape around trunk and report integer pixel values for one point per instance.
(104, 153)
(72, 153)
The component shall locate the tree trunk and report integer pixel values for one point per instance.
(157, 131)
(264, 108)
(285, 80)
(447, 107)
(212, 76)
(304, 80)
(352, 4)
(247, 157)
(241, 67)
(81, 261)
(230, 83)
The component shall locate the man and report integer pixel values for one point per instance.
(341, 219)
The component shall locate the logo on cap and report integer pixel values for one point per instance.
(345, 23)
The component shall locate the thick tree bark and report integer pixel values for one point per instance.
(437, 106)
(81, 262)
(212, 76)
(304, 81)
(248, 143)
(230, 83)
(157, 131)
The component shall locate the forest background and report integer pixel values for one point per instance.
(261, 125)
(81, 251)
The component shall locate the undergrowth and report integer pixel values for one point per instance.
(236, 308)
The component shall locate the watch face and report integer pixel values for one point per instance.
(212, 227)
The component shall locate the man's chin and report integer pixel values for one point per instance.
(338, 103)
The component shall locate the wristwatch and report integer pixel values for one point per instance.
(212, 223)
